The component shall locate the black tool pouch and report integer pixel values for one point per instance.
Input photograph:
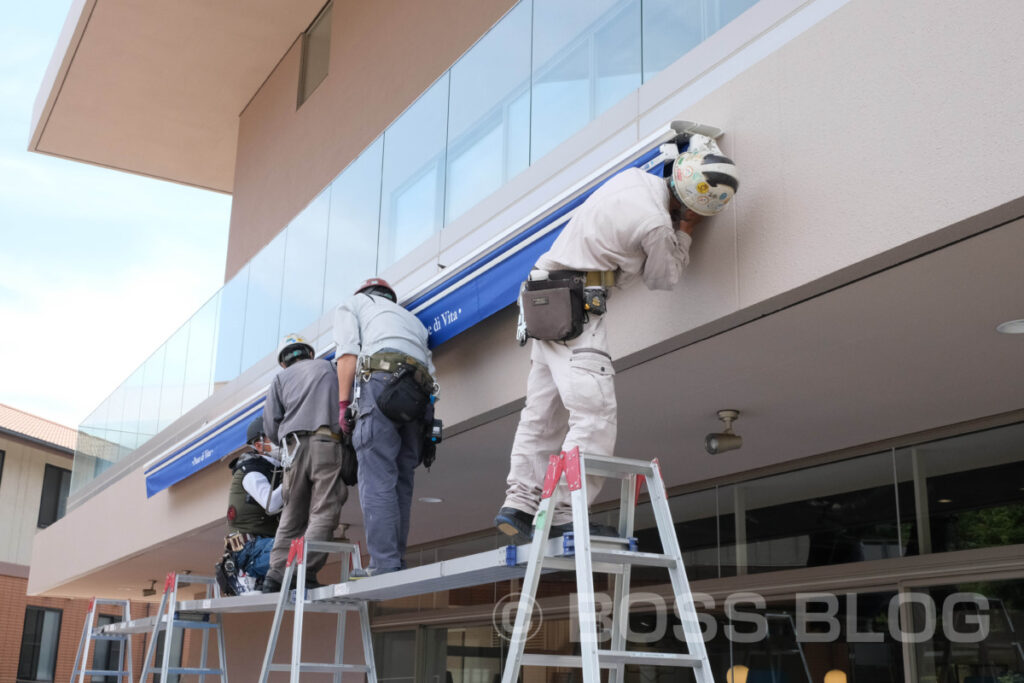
(349, 463)
(430, 441)
(403, 400)
(553, 309)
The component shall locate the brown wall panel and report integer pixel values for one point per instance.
(383, 55)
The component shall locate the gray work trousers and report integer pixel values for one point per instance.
(313, 494)
(388, 454)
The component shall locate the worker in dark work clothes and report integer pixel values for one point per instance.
(301, 415)
(254, 506)
(383, 356)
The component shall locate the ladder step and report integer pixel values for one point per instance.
(192, 671)
(609, 658)
(633, 558)
(100, 672)
(185, 623)
(619, 468)
(103, 636)
(317, 667)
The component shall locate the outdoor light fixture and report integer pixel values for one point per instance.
(737, 674)
(1011, 327)
(835, 676)
(725, 440)
(427, 499)
(146, 592)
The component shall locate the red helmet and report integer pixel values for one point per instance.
(378, 282)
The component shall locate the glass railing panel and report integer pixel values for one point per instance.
(132, 408)
(149, 408)
(175, 358)
(202, 341)
(586, 57)
(488, 119)
(671, 28)
(263, 302)
(354, 223)
(304, 261)
(412, 201)
(230, 328)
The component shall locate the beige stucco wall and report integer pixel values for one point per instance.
(383, 55)
(21, 486)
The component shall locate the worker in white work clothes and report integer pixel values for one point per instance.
(254, 506)
(300, 415)
(635, 225)
(385, 373)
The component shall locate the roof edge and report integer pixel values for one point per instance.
(60, 61)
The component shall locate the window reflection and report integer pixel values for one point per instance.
(263, 302)
(353, 226)
(586, 57)
(305, 256)
(230, 327)
(488, 121)
(412, 201)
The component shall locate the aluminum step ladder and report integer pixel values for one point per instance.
(296, 567)
(168, 621)
(608, 558)
(91, 633)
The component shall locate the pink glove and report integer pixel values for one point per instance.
(343, 421)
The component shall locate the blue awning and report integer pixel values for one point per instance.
(491, 282)
(209, 447)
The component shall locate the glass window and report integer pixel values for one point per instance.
(412, 201)
(316, 54)
(305, 255)
(263, 302)
(395, 652)
(149, 410)
(37, 660)
(488, 120)
(230, 328)
(964, 492)
(354, 225)
(967, 632)
(832, 514)
(586, 57)
(201, 344)
(54, 497)
(173, 384)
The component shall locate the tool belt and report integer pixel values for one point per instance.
(409, 388)
(554, 305)
(236, 540)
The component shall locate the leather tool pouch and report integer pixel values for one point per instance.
(404, 399)
(553, 309)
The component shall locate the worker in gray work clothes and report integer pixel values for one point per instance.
(635, 225)
(254, 504)
(299, 414)
(383, 355)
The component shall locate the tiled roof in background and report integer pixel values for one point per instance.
(14, 420)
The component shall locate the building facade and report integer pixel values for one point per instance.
(847, 302)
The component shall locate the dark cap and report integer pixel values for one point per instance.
(255, 430)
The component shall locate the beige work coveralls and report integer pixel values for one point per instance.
(570, 393)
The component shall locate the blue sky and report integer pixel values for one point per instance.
(97, 267)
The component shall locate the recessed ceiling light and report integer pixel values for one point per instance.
(1011, 327)
(431, 500)
(945, 500)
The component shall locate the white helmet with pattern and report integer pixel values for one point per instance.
(293, 347)
(704, 179)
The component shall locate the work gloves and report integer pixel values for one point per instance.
(345, 420)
